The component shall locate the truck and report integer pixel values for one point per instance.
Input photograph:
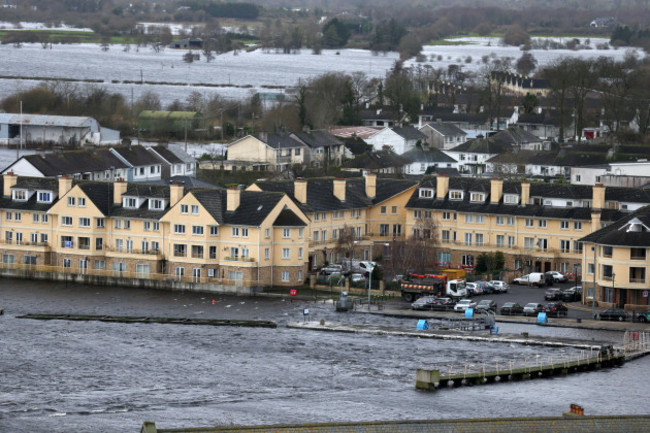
(418, 285)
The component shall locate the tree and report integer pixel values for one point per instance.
(490, 262)
(526, 63)
(515, 35)
(582, 80)
(416, 253)
(557, 76)
(398, 90)
(335, 34)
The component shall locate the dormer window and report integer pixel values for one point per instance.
(130, 202)
(477, 197)
(426, 192)
(20, 195)
(455, 195)
(635, 225)
(156, 204)
(511, 199)
(44, 197)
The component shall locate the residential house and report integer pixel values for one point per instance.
(177, 162)
(381, 117)
(421, 160)
(519, 139)
(268, 152)
(143, 165)
(450, 115)
(399, 140)
(68, 131)
(542, 164)
(323, 148)
(544, 124)
(630, 174)
(517, 84)
(385, 161)
(443, 135)
(473, 155)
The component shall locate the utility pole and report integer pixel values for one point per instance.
(20, 141)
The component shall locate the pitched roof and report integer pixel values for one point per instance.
(445, 129)
(75, 161)
(100, 193)
(409, 133)
(376, 160)
(419, 154)
(167, 154)
(515, 136)
(283, 141)
(136, 155)
(288, 218)
(45, 120)
(318, 138)
(622, 232)
(354, 131)
(481, 145)
(253, 207)
(32, 183)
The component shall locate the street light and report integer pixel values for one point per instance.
(613, 286)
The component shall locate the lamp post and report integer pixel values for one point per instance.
(372, 268)
(613, 285)
(593, 295)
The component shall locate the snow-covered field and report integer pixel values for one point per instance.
(250, 71)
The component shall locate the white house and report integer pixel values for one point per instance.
(419, 160)
(180, 163)
(443, 135)
(399, 140)
(473, 154)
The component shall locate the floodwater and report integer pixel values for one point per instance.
(61, 376)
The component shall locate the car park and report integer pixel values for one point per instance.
(612, 314)
(487, 304)
(557, 277)
(643, 317)
(511, 308)
(532, 308)
(556, 309)
(572, 294)
(464, 304)
(552, 294)
(500, 286)
(532, 279)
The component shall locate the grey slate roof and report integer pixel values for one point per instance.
(409, 133)
(253, 207)
(515, 136)
(100, 193)
(376, 160)
(188, 181)
(616, 234)
(76, 161)
(445, 129)
(481, 145)
(318, 138)
(283, 141)
(167, 154)
(32, 183)
(288, 218)
(430, 155)
(137, 155)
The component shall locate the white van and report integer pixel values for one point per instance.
(532, 279)
(358, 266)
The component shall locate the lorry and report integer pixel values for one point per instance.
(417, 285)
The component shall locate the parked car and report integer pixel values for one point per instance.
(486, 286)
(357, 279)
(612, 314)
(500, 286)
(511, 308)
(552, 294)
(424, 303)
(487, 304)
(331, 268)
(532, 279)
(557, 277)
(464, 304)
(532, 308)
(643, 316)
(473, 289)
(556, 309)
(571, 295)
(444, 304)
(335, 276)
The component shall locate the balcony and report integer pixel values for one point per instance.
(239, 259)
(132, 251)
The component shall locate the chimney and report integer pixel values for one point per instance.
(10, 180)
(496, 190)
(371, 185)
(598, 196)
(264, 137)
(119, 188)
(300, 190)
(232, 198)
(442, 186)
(339, 189)
(595, 220)
(525, 192)
(176, 191)
(65, 185)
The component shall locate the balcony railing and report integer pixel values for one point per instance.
(132, 251)
(240, 259)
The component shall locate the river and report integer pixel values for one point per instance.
(60, 376)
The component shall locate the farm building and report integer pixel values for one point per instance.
(173, 123)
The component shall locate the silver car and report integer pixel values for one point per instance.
(500, 286)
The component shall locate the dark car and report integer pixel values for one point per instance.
(487, 304)
(533, 308)
(552, 294)
(557, 277)
(571, 295)
(511, 308)
(443, 304)
(612, 314)
(643, 317)
(423, 303)
(556, 309)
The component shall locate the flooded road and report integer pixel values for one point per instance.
(60, 376)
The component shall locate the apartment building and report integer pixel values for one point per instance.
(153, 231)
(348, 217)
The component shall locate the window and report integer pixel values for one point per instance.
(529, 243)
(212, 252)
(607, 251)
(244, 232)
(477, 197)
(299, 276)
(297, 152)
(35, 217)
(637, 275)
(8, 258)
(44, 238)
(84, 243)
(156, 227)
(480, 219)
(267, 233)
(100, 265)
(179, 271)
(426, 193)
(245, 253)
(9, 216)
(195, 209)
(144, 246)
(119, 244)
(236, 275)
(235, 231)
(18, 216)
(285, 276)
(234, 252)
(146, 226)
(501, 241)
(100, 222)
(33, 238)
(118, 223)
(417, 214)
(184, 208)
(479, 239)
(637, 253)
(384, 229)
(84, 222)
(316, 235)
(286, 254)
(142, 269)
(541, 224)
(179, 228)
(44, 197)
(467, 260)
(469, 218)
(71, 201)
(565, 246)
(29, 260)
(300, 253)
(510, 199)
(397, 230)
(156, 204)
(577, 247)
(455, 195)
(578, 178)
(267, 253)
(99, 244)
(590, 269)
(564, 225)
(19, 238)
(127, 224)
(155, 246)
(66, 221)
(20, 195)
(500, 220)
(119, 267)
(607, 271)
(445, 236)
(577, 225)
(300, 232)
(180, 250)
(446, 216)
(468, 239)
(529, 222)
(197, 251)
(511, 241)
(286, 233)
(383, 210)
(9, 236)
(444, 257)
(130, 202)
(197, 230)
(81, 201)
(323, 235)
(542, 244)
(393, 209)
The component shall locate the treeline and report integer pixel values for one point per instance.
(246, 11)
(625, 36)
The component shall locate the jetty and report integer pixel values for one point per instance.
(146, 319)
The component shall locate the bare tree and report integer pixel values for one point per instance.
(418, 252)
